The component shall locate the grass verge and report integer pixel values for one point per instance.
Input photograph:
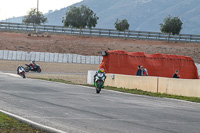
(10, 125)
(133, 91)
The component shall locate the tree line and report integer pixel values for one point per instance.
(83, 17)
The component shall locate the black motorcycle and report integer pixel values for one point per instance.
(99, 82)
(36, 68)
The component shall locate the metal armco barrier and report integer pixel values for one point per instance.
(49, 57)
(101, 32)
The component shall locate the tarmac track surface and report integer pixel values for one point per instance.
(78, 109)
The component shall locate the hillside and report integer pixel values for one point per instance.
(143, 15)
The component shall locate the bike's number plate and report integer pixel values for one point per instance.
(100, 74)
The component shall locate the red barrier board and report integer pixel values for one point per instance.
(161, 65)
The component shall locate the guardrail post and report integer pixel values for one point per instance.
(138, 35)
(90, 32)
(8, 27)
(62, 30)
(148, 35)
(128, 33)
(81, 31)
(53, 28)
(17, 26)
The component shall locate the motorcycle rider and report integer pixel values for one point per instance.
(32, 64)
(20, 68)
(99, 71)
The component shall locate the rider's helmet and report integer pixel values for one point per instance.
(33, 61)
(102, 70)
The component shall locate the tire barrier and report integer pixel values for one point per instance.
(49, 57)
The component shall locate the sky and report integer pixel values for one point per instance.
(15, 8)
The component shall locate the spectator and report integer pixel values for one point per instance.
(139, 71)
(176, 74)
(145, 72)
(142, 70)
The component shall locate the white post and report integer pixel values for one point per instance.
(65, 58)
(1, 54)
(90, 77)
(42, 57)
(47, 57)
(14, 56)
(5, 55)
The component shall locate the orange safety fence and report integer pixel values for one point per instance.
(161, 65)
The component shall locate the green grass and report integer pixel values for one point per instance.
(134, 91)
(163, 95)
(10, 125)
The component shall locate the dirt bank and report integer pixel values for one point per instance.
(93, 45)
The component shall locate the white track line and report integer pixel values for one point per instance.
(10, 74)
(14, 75)
(34, 124)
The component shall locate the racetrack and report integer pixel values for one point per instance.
(78, 109)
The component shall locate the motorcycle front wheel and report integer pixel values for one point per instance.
(24, 76)
(27, 69)
(98, 90)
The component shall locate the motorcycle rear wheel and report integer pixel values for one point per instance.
(39, 70)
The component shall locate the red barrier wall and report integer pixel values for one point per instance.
(161, 65)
